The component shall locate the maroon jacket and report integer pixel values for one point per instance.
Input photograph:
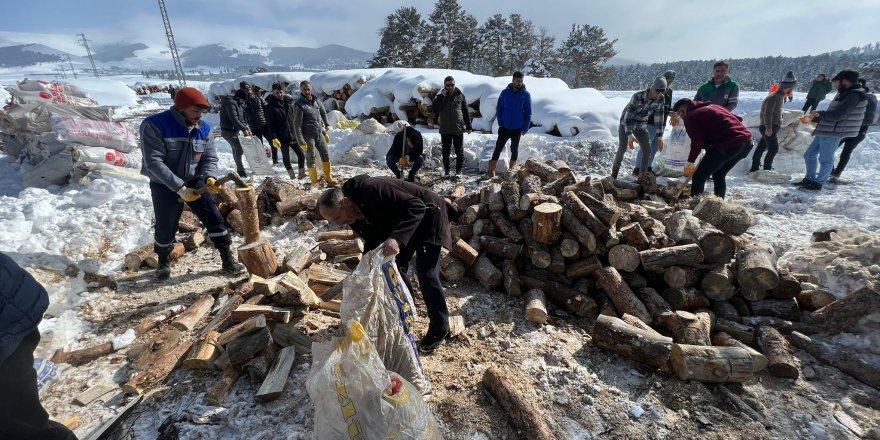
(712, 126)
(392, 208)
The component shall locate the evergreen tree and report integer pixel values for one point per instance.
(491, 46)
(520, 42)
(584, 54)
(545, 60)
(402, 35)
(449, 23)
(465, 47)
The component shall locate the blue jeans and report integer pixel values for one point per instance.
(655, 143)
(822, 147)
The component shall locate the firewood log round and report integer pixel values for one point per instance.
(846, 312)
(538, 253)
(557, 260)
(583, 213)
(334, 248)
(136, 258)
(235, 221)
(579, 230)
(741, 332)
(546, 219)
(688, 328)
(659, 259)
(728, 217)
(788, 286)
(778, 351)
(511, 278)
(452, 269)
(606, 212)
(812, 300)
(634, 235)
(506, 227)
(531, 184)
(511, 194)
(787, 309)
(485, 226)
(634, 280)
(685, 298)
(474, 212)
(463, 232)
(612, 334)
(501, 247)
(718, 283)
(582, 268)
(177, 251)
(536, 306)
(491, 196)
(542, 170)
(569, 246)
(556, 186)
(624, 257)
(759, 361)
(527, 202)
(465, 252)
(655, 303)
(624, 299)
(259, 258)
(578, 303)
(726, 310)
(486, 273)
(711, 364)
(756, 267)
(681, 276)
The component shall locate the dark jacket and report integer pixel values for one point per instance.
(232, 117)
(713, 126)
(404, 211)
(174, 153)
(453, 112)
(22, 304)
(845, 114)
(870, 109)
(309, 118)
(819, 89)
(771, 109)
(725, 94)
(514, 108)
(396, 150)
(256, 118)
(279, 119)
(667, 96)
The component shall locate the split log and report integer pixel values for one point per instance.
(579, 230)
(778, 351)
(462, 232)
(612, 334)
(187, 320)
(491, 196)
(788, 286)
(583, 268)
(506, 227)
(511, 278)
(558, 185)
(577, 303)
(759, 361)
(93, 393)
(241, 329)
(569, 246)
(658, 259)
(192, 240)
(464, 252)
(333, 292)
(538, 253)
(456, 325)
(334, 305)
(486, 273)
(536, 306)
(561, 166)
(531, 184)
(624, 257)
(276, 378)
(606, 212)
(634, 236)
(247, 311)
(841, 358)
(711, 364)
(718, 283)
(218, 392)
(247, 204)
(681, 276)
(546, 219)
(177, 251)
(624, 299)
(452, 269)
(739, 331)
(135, 259)
(725, 310)
(787, 309)
(156, 366)
(334, 248)
(525, 415)
(474, 212)
(812, 300)
(259, 366)
(293, 291)
(342, 234)
(258, 257)
(288, 335)
(638, 323)
(688, 328)
(325, 274)
(846, 312)
(485, 226)
(297, 259)
(511, 195)
(583, 213)
(542, 170)
(756, 267)
(728, 217)
(655, 303)
(462, 203)
(685, 298)
(244, 348)
(293, 206)
(203, 353)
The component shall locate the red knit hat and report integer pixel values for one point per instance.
(189, 96)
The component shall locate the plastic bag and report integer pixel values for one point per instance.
(375, 295)
(108, 156)
(371, 126)
(115, 135)
(356, 398)
(348, 124)
(677, 149)
(255, 154)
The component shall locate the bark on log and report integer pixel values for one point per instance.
(718, 283)
(235, 221)
(452, 269)
(726, 310)
(685, 298)
(486, 273)
(276, 378)
(711, 364)
(536, 306)
(247, 204)
(783, 326)
(461, 204)
(541, 169)
(243, 328)
(579, 230)
(531, 184)
(525, 415)
(511, 195)
(342, 234)
(192, 240)
(485, 226)
(681, 276)
(571, 300)
(298, 258)
(753, 295)
(624, 257)
(624, 299)
(203, 353)
(606, 212)
(135, 259)
(187, 320)
(683, 228)
(511, 278)
(787, 309)
(538, 253)
(655, 303)
(177, 251)
(788, 286)
(846, 312)
(739, 331)
(759, 361)
(546, 219)
(155, 365)
(583, 268)
(634, 280)
(688, 328)
(843, 359)
(756, 267)
(638, 323)
(558, 185)
(464, 252)
(612, 334)
(294, 206)
(244, 348)
(325, 274)
(507, 228)
(658, 259)
(634, 236)
(741, 306)
(462, 232)
(293, 291)
(491, 197)
(557, 260)
(474, 212)
(583, 213)
(218, 392)
(258, 257)
(728, 217)
(501, 247)
(527, 202)
(561, 166)
(812, 300)
(778, 351)
(334, 247)
(569, 245)
(258, 367)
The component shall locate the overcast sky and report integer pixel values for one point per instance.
(647, 31)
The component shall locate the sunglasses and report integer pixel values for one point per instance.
(450, 85)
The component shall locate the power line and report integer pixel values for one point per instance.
(178, 67)
(85, 43)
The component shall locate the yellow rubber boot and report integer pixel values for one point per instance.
(313, 175)
(327, 176)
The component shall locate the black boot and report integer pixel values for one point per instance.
(163, 269)
(432, 340)
(636, 171)
(229, 263)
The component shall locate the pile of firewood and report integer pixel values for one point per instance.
(682, 290)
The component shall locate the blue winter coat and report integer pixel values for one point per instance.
(174, 153)
(22, 304)
(514, 109)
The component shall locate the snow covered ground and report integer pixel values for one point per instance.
(91, 225)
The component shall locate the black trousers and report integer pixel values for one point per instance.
(428, 271)
(717, 163)
(504, 135)
(849, 144)
(447, 141)
(231, 137)
(23, 416)
(285, 155)
(768, 143)
(811, 104)
(167, 210)
(260, 133)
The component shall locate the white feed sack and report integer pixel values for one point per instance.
(371, 126)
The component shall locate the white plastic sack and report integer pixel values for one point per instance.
(371, 126)
(256, 155)
(677, 148)
(356, 398)
(396, 126)
(34, 118)
(358, 156)
(334, 117)
(375, 295)
(57, 97)
(31, 85)
(486, 156)
(106, 155)
(115, 135)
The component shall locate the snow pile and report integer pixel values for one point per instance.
(106, 92)
(332, 80)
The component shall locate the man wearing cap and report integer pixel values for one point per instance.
(179, 157)
(642, 121)
(819, 88)
(850, 143)
(233, 121)
(720, 90)
(842, 119)
(771, 121)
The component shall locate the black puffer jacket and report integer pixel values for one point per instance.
(22, 303)
(255, 116)
(279, 119)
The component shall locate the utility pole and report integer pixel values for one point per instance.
(178, 68)
(67, 55)
(85, 43)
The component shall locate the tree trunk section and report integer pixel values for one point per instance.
(511, 195)
(334, 248)
(658, 259)
(787, 309)
(298, 258)
(728, 217)
(583, 213)
(486, 273)
(135, 259)
(528, 202)
(718, 283)
(511, 278)
(538, 253)
(258, 257)
(177, 251)
(812, 300)
(681, 276)
(294, 206)
(526, 416)
(569, 246)
(557, 186)
(634, 235)
(536, 306)
(655, 303)
(583, 268)
(606, 212)
(624, 257)
(840, 358)
(614, 335)
(531, 184)
(638, 323)
(187, 320)
(711, 364)
(452, 269)
(756, 267)
(542, 170)
(204, 353)
(485, 226)
(579, 230)
(491, 196)
(623, 298)
(685, 298)
(759, 361)
(546, 219)
(846, 312)
(778, 351)
(474, 212)
(506, 227)
(577, 303)
(192, 240)
(464, 252)
(247, 204)
(689, 328)
(218, 392)
(342, 234)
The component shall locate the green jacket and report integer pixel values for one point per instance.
(818, 90)
(725, 94)
(453, 113)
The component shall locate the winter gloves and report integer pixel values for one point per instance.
(660, 145)
(326, 138)
(276, 143)
(689, 169)
(212, 185)
(304, 147)
(404, 161)
(188, 194)
(632, 142)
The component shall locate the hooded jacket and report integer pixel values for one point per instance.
(514, 108)
(256, 117)
(404, 211)
(713, 126)
(453, 113)
(232, 117)
(819, 89)
(725, 94)
(279, 119)
(845, 113)
(396, 150)
(174, 153)
(22, 304)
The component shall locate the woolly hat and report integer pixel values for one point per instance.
(669, 75)
(241, 94)
(659, 84)
(243, 84)
(789, 80)
(846, 74)
(188, 97)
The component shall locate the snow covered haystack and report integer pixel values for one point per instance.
(263, 80)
